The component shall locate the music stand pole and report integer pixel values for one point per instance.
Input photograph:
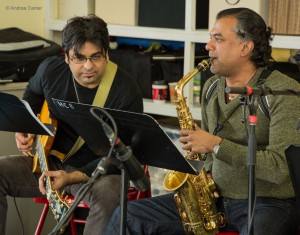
(252, 146)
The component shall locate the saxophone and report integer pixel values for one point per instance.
(194, 194)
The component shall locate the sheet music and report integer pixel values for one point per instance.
(16, 115)
(35, 117)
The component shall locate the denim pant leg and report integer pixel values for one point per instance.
(271, 216)
(157, 215)
(16, 180)
(102, 198)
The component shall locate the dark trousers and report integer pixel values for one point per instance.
(17, 180)
(159, 215)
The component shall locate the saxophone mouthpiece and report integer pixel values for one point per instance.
(203, 65)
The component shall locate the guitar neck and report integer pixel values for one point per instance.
(58, 206)
(57, 203)
(43, 162)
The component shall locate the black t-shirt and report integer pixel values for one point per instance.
(53, 79)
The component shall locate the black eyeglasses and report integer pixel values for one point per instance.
(82, 59)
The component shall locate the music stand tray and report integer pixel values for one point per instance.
(149, 142)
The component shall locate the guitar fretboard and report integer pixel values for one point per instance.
(58, 206)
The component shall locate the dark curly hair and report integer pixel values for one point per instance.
(251, 27)
(80, 30)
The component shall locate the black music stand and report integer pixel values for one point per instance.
(148, 141)
(17, 116)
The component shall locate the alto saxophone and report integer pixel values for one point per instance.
(194, 194)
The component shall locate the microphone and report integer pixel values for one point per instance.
(132, 166)
(245, 90)
(262, 90)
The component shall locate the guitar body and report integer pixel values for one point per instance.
(57, 202)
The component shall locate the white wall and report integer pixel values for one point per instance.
(27, 15)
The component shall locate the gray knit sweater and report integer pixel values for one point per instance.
(229, 166)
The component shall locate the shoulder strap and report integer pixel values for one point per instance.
(100, 98)
(211, 90)
(264, 104)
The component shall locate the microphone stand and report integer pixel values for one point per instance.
(123, 155)
(252, 95)
(252, 145)
(123, 200)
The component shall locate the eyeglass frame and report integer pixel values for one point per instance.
(85, 59)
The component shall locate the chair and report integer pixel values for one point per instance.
(133, 194)
(292, 154)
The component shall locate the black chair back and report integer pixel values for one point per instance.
(292, 154)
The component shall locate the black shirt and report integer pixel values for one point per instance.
(53, 79)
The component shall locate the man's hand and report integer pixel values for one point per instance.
(60, 179)
(24, 142)
(198, 141)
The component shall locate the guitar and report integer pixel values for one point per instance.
(57, 202)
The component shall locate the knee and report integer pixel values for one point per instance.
(107, 187)
(109, 183)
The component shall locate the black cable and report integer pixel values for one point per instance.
(115, 128)
(19, 215)
(244, 117)
(252, 216)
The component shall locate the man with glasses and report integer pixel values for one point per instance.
(78, 76)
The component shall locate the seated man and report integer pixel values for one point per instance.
(78, 76)
(239, 50)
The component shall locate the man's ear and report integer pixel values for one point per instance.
(66, 58)
(247, 48)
